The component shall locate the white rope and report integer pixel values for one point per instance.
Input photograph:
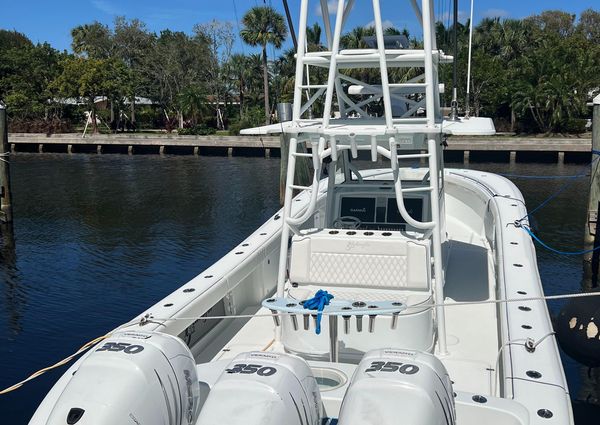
(64, 361)
(506, 344)
(525, 343)
(55, 365)
(150, 319)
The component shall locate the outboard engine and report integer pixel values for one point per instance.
(131, 378)
(264, 389)
(399, 387)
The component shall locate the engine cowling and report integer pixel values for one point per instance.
(260, 388)
(399, 387)
(132, 378)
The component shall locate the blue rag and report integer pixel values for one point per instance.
(318, 302)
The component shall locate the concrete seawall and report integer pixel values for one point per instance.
(495, 148)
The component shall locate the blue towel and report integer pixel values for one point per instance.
(318, 302)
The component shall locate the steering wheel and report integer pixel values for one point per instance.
(347, 222)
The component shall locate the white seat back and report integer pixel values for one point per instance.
(386, 260)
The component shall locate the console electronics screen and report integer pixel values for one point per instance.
(361, 208)
(414, 207)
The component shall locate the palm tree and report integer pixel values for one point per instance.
(263, 25)
(238, 72)
(313, 38)
(192, 101)
(354, 39)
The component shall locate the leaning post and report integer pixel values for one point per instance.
(5, 190)
(591, 238)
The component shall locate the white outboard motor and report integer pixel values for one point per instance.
(131, 378)
(399, 387)
(264, 389)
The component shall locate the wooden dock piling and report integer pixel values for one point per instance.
(5, 189)
(591, 237)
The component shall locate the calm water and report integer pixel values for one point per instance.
(100, 238)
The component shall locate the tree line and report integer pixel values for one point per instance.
(530, 75)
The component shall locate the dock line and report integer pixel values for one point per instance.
(144, 320)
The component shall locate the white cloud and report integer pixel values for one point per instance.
(331, 6)
(106, 7)
(385, 24)
(449, 16)
(496, 13)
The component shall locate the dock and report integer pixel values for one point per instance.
(498, 148)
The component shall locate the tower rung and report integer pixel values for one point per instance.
(417, 189)
(414, 156)
(296, 187)
(313, 86)
(409, 85)
(301, 154)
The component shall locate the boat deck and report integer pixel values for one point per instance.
(471, 329)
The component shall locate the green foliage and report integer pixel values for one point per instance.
(197, 130)
(13, 40)
(252, 118)
(263, 25)
(26, 71)
(218, 36)
(87, 79)
(530, 75)
(177, 66)
(534, 73)
(92, 40)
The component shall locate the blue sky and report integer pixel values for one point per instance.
(51, 21)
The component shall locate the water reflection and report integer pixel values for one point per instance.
(15, 297)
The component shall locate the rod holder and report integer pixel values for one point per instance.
(372, 322)
(315, 154)
(306, 321)
(334, 344)
(359, 323)
(334, 150)
(353, 146)
(394, 321)
(374, 148)
(346, 321)
(275, 318)
(314, 316)
(294, 321)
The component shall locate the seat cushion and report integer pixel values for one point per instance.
(385, 260)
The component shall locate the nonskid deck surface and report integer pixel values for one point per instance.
(471, 329)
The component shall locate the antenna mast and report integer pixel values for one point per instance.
(454, 104)
(467, 111)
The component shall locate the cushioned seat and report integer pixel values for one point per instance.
(360, 259)
(364, 266)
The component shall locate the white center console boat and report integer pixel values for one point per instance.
(412, 266)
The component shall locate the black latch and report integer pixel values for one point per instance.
(74, 415)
